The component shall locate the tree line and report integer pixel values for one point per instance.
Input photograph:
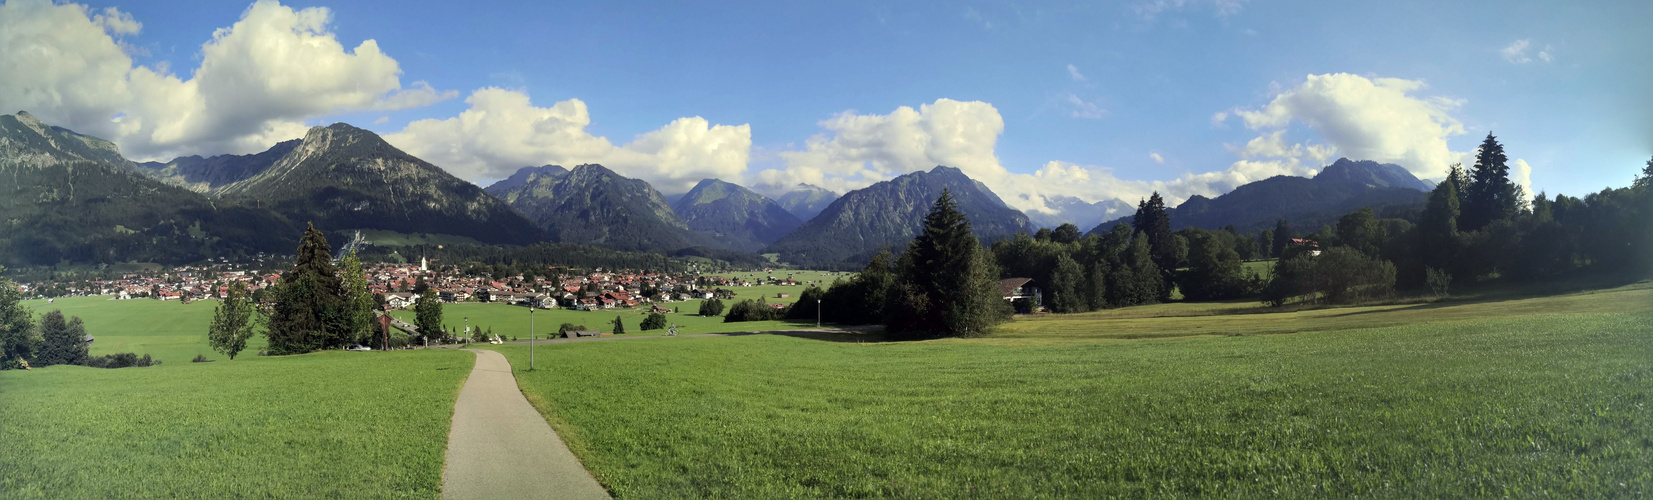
(53, 340)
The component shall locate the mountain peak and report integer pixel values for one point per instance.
(1367, 173)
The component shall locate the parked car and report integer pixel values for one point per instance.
(360, 348)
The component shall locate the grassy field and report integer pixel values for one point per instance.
(170, 331)
(1535, 397)
(327, 425)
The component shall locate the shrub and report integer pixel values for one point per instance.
(200, 358)
(751, 310)
(711, 307)
(1439, 281)
(655, 321)
(121, 360)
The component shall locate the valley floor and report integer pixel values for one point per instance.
(1496, 396)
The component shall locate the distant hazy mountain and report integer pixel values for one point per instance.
(1070, 210)
(890, 213)
(593, 205)
(206, 175)
(341, 177)
(734, 215)
(1340, 188)
(806, 201)
(71, 197)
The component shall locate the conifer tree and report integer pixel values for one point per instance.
(1645, 180)
(946, 285)
(1282, 238)
(307, 314)
(619, 327)
(1490, 195)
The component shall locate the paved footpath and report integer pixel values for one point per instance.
(500, 447)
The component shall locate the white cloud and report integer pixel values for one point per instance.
(257, 81)
(1368, 119)
(858, 150)
(1219, 119)
(1521, 175)
(502, 131)
(1085, 109)
(1545, 55)
(1073, 72)
(1516, 52)
(1157, 158)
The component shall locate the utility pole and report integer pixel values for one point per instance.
(530, 337)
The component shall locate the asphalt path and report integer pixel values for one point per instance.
(500, 447)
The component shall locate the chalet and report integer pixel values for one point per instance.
(398, 300)
(1022, 294)
(1312, 246)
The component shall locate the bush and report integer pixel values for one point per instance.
(711, 307)
(200, 358)
(1439, 281)
(122, 360)
(655, 321)
(751, 310)
(569, 327)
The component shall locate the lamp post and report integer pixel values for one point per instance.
(530, 338)
(817, 313)
(467, 333)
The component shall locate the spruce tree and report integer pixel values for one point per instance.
(1438, 227)
(946, 285)
(1282, 238)
(1490, 195)
(307, 314)
(619, 327)
(1645, 180)
(1152, 221)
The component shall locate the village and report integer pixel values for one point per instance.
(397, 286)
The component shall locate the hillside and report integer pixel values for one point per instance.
(1307, 203)
(593, 205)
(889, 214)
(67, 197)
(341, 177)
(734, 215)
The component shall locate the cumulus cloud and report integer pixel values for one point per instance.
(1073, 72)
(1378, 119)
(1157, 158)
(1521, 175)
(1516, 53)
(1219, 119)
(257, 81)
(857, 150)
(502, 131)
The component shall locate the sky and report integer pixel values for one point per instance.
(1039, 100)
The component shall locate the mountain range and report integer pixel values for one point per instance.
(68, 197)
(888, 214)
(1306, 203)
(735, 216)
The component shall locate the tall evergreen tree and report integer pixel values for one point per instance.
(62, 342)
(232, 323)
(946, 285)
(1645, 180)
(18, 339)
(1282, 238)
(308, 311)
(1490, 195)
(1152, 220)
(619, 327)
(1459, 179)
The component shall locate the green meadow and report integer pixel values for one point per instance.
(171, 331)
(326, 425)
(1549, 396)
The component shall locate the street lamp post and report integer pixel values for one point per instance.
(530, 338)
(817, 313)
(467, 333)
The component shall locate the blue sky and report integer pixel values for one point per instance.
(1044, 99)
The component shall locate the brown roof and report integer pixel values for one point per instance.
(1009, 285)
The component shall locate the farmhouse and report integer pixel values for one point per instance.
(1022, 294)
